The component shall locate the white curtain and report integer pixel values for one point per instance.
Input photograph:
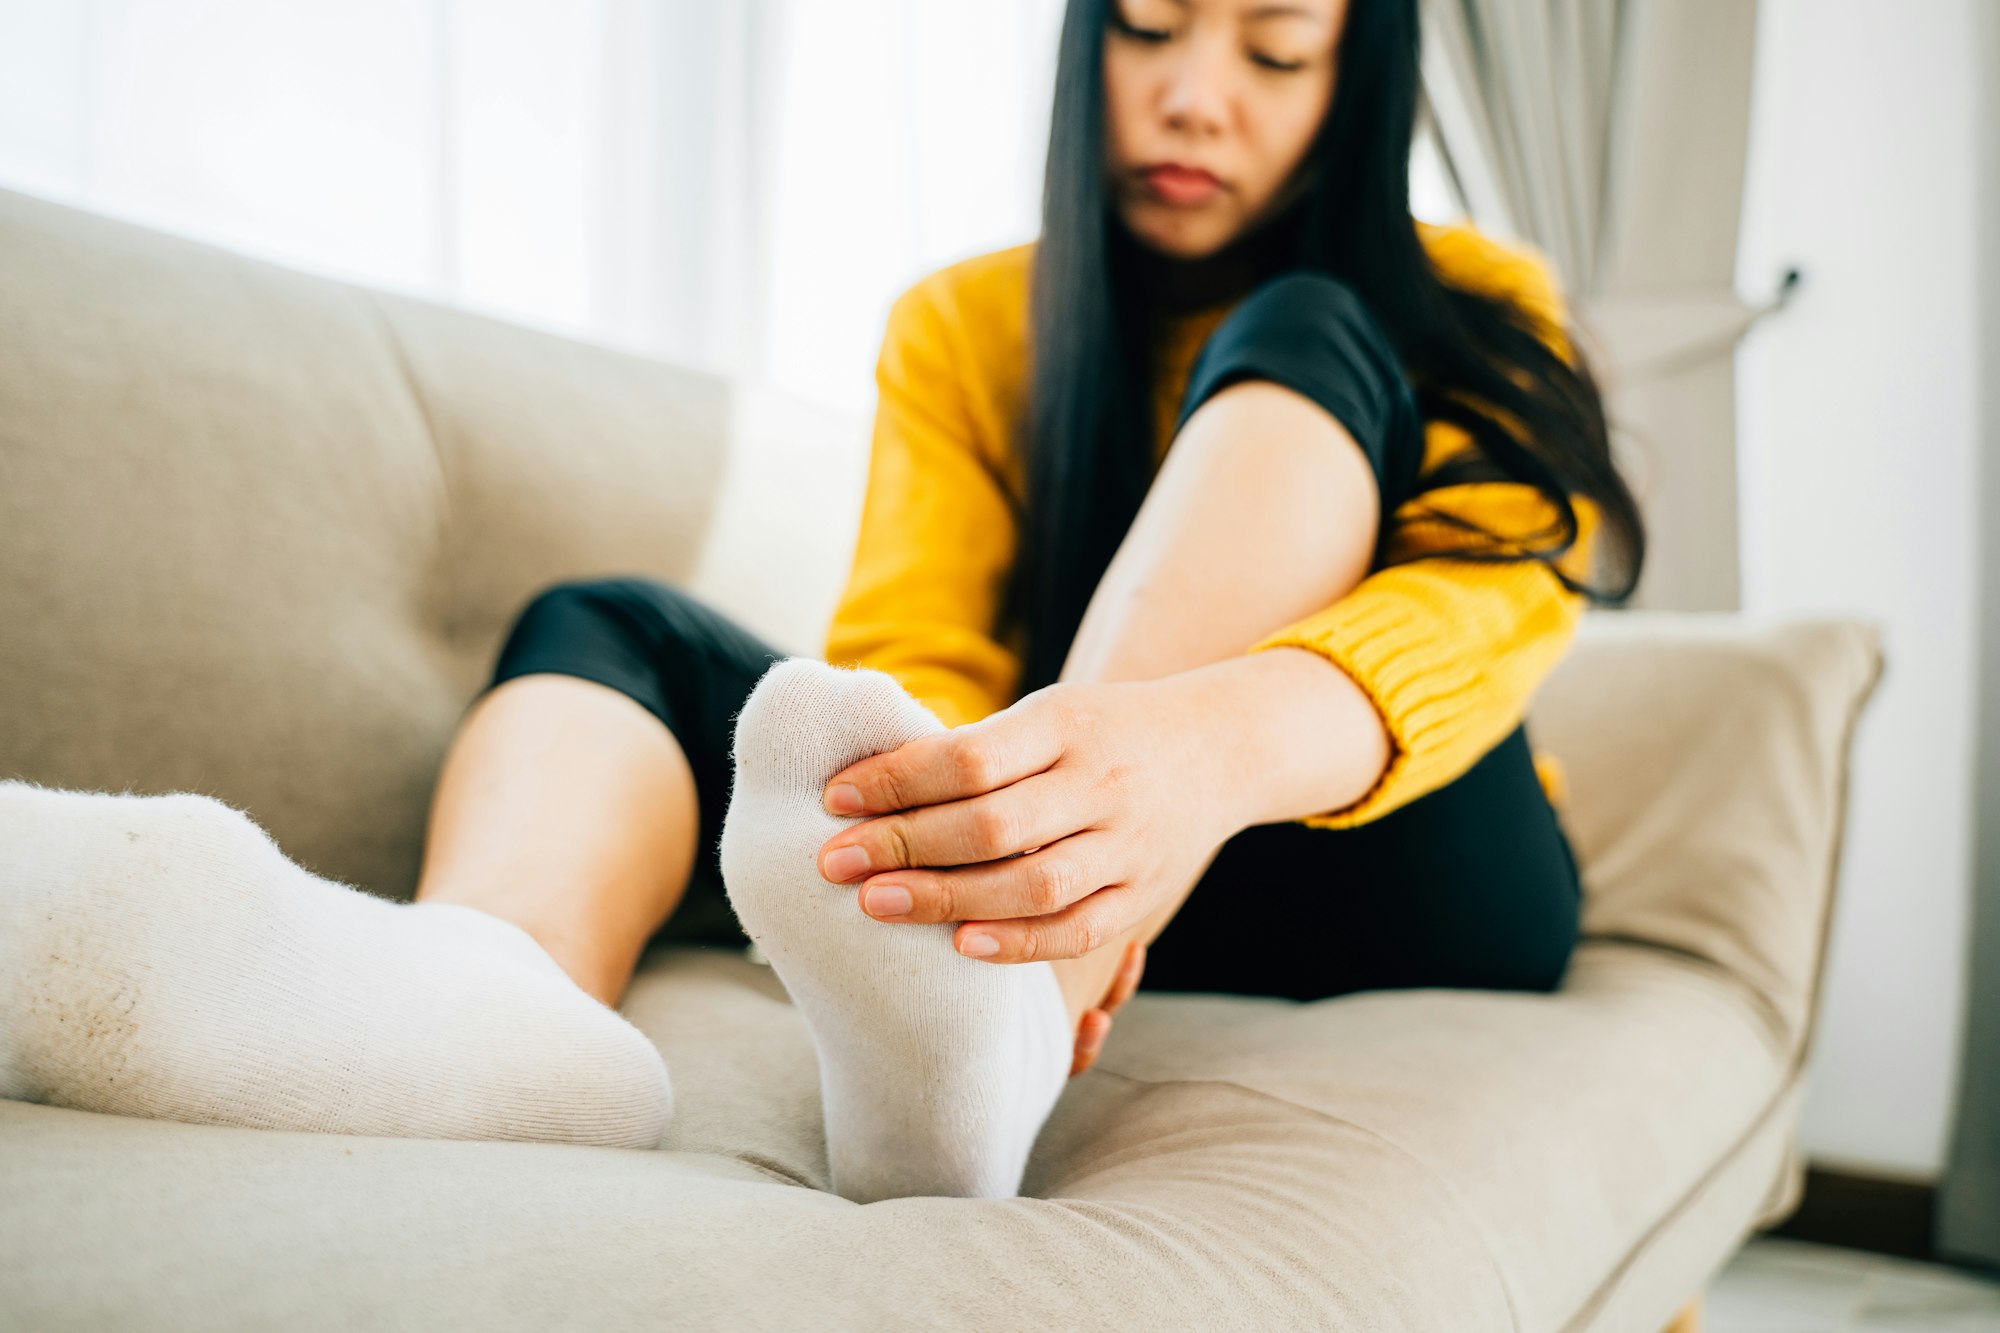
(739, 185)
(1612, 134)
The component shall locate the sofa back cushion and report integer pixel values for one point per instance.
(1707, 758)
(263, 532)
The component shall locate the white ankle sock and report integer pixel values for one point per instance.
(937, 1070)
(161, 957)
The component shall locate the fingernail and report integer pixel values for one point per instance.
(846, 862)
(843, 799)
(886, 900)
(979, 946)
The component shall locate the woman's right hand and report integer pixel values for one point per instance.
(1095, 1024)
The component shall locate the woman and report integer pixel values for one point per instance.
(1213, 546)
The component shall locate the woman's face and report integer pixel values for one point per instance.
(1211, 107)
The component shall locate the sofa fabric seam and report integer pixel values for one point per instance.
(448, 602)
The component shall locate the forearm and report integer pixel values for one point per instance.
(1292, 734)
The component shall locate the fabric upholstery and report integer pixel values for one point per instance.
(262, 532)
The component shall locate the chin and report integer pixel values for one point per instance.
(1176, 234)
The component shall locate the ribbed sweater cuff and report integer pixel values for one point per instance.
(1429, 696)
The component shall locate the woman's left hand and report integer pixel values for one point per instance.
(1047, 828)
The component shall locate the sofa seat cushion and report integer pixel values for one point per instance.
(1421, 1160)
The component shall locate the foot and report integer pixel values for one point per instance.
(160, 957)
(937, 1071)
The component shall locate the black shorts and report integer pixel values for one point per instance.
(1471, 885)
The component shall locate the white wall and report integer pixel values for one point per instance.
(1858, 438)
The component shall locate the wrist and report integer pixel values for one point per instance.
(1285, 734)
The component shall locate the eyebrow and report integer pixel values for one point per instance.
(1271, 11)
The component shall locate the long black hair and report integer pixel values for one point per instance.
(1473, 359)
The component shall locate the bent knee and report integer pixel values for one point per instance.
(597, 591)
(627, 604)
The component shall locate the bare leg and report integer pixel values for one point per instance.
(1264, 511)
(567, 808)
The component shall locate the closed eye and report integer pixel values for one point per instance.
(1155, 36)
(1143, 34)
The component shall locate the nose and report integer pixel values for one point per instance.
(1197, 96)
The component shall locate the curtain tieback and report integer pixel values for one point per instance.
(1656, 335)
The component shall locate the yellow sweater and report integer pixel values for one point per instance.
(1449, 651)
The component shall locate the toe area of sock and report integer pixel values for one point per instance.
(807, 719)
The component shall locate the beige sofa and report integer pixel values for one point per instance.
(261, 534)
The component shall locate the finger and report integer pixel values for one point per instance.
(1046, 880)
(1126, 983)
(1091, 1031)
(1029, 813)
(950, 765)
(1071, 933)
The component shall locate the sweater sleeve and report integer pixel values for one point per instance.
(937, 531)
(1451, 651)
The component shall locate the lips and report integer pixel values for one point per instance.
(1177, 183)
